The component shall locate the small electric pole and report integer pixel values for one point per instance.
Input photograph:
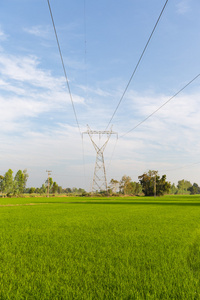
(155, 174)
(49, 173)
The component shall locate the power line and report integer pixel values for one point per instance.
(86, 83)
(65, 73)
(83, 152)
(63, 65)
(85, 49)
(161, 106)
(138, 63)
(85, 32)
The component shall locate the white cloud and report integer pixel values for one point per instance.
(6, 86)
(183, 7)
(26, 69)
(181, 110)
(16, 107)
(166, 140)
(20, 71)
(39, 31)
(33, 134)
(96, 91)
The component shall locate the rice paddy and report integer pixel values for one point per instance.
(87, 248)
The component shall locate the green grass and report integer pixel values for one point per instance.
(87, 248)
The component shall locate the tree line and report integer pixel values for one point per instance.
(54, 188)
(149, 184)
(11, 185)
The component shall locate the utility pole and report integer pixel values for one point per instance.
(49, 173)
(155, 174)
(99, 180)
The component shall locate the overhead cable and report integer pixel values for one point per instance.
(138, 63)
(63, 65)
(85, 32)
(161, 106)
(85, 51)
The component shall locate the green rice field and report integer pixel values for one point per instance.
(103, 248)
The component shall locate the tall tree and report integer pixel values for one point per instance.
(1, 182)
(49, 182)
(194, 189)
(114, 185)
(183, 186)
(19, 182)
(133, 188)
(32, 190)
(54, 188)
(7, 182)
(147, 184)
(43, 189)
(25, 177)
(124, 182)
(150, 179)
(60, 189)
(68, 190)
(173, 189)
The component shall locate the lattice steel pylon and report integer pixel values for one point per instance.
(99, 180)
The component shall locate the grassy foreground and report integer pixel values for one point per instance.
(83, 248)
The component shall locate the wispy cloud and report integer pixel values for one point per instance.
(15, 108)
(28, 92)
(3, 36)
(96, 91)
(26, 69)
(32, 101)
(39, 31)
(172, 130)
(183, 7)
(20, 71)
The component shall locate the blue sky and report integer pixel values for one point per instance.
(101, 42)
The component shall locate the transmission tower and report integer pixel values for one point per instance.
(99, 180)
